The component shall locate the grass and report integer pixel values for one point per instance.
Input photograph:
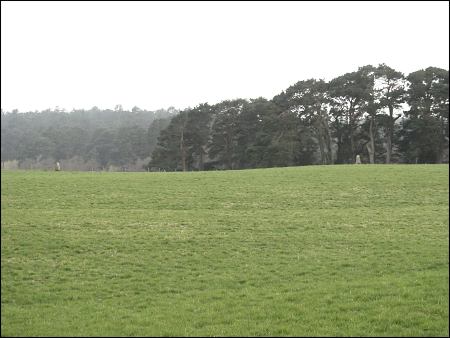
(307, 251)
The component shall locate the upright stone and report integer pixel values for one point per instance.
(358, 159)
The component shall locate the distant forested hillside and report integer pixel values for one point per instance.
(81, 139)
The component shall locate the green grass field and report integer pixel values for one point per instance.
(307, 251)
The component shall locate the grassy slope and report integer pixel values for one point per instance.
(338, 250)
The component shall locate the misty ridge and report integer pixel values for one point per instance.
(93, 139)
(375, 112)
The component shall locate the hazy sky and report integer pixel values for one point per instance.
(155, 55)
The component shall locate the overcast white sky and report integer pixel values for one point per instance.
(160, 54)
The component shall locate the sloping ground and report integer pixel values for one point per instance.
(307, 251)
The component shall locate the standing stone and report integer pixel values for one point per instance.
(57, 167)
(358, 160)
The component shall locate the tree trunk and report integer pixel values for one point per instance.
(327, 141)
(322, 151)
(371, 144)
(388, 149)
(201, 165)
(352, 140)
(339, 155)
(390, 135)
(228, 152)
(320, 140)
(441, 141)
(183, 150)
(292, 151)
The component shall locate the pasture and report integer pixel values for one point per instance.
(341, 250)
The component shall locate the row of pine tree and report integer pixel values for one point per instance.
(375, 112)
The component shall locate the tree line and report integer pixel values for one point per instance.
(92, 139)
(375, 112)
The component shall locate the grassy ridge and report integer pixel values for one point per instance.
(327, 250)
